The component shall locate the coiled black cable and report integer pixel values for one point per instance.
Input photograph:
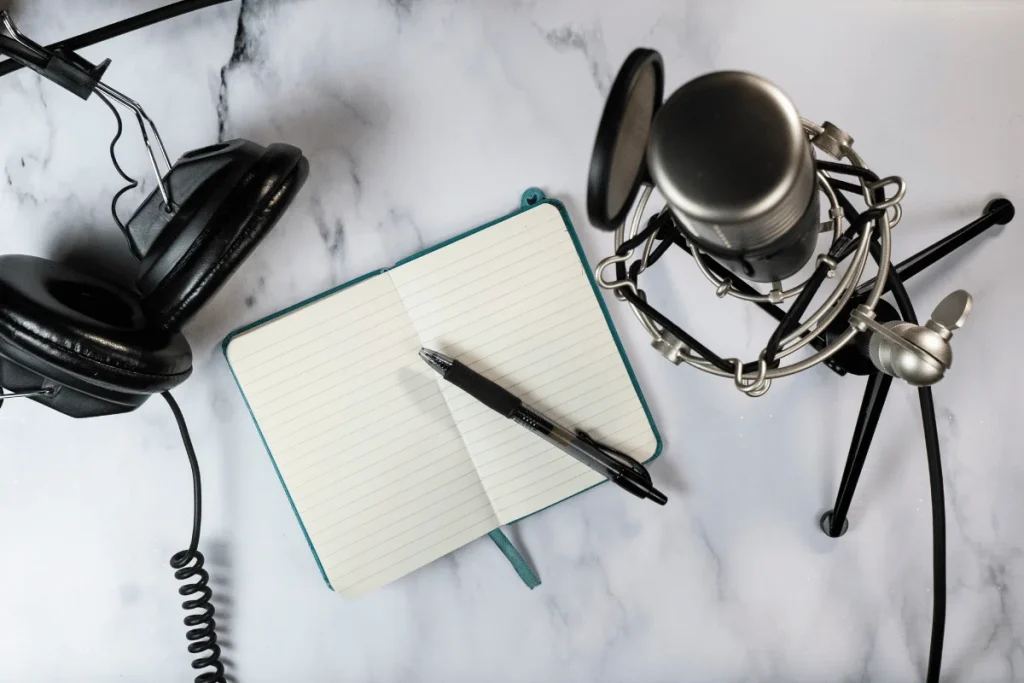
(188, 565)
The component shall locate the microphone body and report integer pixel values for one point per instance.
(730, 155)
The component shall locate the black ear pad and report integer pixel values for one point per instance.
(233, 195)
(80, 331)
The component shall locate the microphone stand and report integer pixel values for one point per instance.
(851, 354)
(834, 522)
(853, 357)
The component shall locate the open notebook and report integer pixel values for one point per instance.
(387, 466)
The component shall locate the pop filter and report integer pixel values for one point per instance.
(617, 167)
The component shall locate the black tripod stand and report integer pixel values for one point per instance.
(853, 357)
(834, 522)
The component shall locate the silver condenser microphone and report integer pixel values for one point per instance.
(729, 154)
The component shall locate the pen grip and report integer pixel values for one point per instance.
(482, 389)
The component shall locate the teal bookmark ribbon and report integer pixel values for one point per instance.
(519, 563)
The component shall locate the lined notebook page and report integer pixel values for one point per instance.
(361, 435)
(513, 302)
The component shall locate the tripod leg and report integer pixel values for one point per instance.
(834, 522)
(998, 212)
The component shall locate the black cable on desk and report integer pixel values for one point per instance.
(188, 564)
(119, 28)
(931, 444)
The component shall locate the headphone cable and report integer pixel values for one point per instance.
(202, 634)
(132, 182)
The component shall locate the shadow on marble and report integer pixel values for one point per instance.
(668, 476)
(220, 566)
(337, 135)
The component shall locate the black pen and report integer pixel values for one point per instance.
(615, 465)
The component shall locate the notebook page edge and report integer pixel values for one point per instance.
(619, 346)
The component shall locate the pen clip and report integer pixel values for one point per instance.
(617, 455)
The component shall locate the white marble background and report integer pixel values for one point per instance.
(422, 119)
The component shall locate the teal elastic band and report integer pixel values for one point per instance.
(519, 563)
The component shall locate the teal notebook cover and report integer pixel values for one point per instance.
(531, 199)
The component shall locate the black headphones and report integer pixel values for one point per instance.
(87, 346)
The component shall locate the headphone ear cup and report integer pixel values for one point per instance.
(84, 336)
(227, 198)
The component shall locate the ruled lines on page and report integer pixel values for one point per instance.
(513, 302)
(362, 436)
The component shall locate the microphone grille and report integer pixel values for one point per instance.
(728, 152)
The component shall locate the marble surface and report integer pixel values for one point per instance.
(422, 119)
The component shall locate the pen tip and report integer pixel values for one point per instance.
(657, 496)
(437, 360)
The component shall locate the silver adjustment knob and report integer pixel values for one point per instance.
(920, 354)
(951, 314)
